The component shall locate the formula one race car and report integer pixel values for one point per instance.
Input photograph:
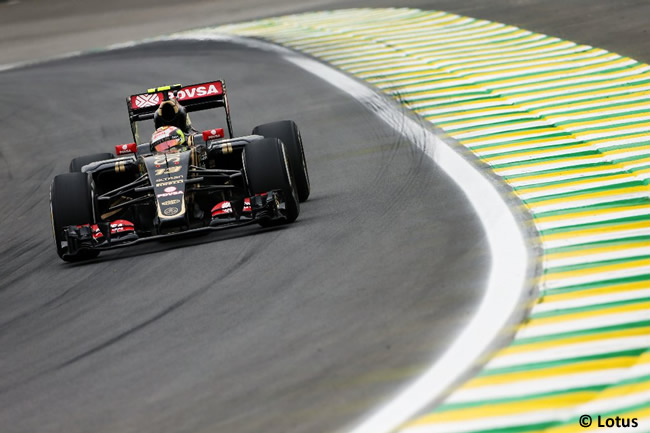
(181, 181)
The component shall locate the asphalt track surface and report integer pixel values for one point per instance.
(300, 329)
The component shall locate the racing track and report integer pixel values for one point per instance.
(300, 329)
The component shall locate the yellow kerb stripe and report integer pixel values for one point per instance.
(550, 177)
(510, 408)
(598, 291)
(614, 227)
(540, 345)
(559, 276)
(598, 250)
(579, 182)
(572, 368)
(580, 213)
(586, 196)
(535, 154)
(627, 308)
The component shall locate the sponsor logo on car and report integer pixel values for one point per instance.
(169, 194)
(171, 182)
(198, 91)
(124, 149)
(170, 202)
(212, 134)
(121, 226)
(146, 100)
(170, 211)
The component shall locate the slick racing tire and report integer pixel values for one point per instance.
(267, 168)
(71, 203)
(77, 163)
(287, 131)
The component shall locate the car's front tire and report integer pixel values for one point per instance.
(267, 169)
(71, 203)
(287, 131)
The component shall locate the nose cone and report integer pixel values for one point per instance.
(167, 174)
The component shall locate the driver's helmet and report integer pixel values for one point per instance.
(168, 139)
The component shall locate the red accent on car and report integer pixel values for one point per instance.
(247, 205)
(94, 228)
(146, 100)
(223, 208)
(124, 149)
(119, 226)
(211, 134)
(200, 91)
(96, 232)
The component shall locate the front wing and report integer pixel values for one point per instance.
(120, 234)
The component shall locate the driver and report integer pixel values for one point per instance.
(171, 113)
(168, 139)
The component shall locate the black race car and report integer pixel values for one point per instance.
(181, 181)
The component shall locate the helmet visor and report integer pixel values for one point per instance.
(167, 144)
(167, 139)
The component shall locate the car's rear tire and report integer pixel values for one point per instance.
(287, 131)
(77, 163)
(71, 203)
(267, 168)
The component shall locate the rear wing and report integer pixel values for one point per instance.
(196, 97)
